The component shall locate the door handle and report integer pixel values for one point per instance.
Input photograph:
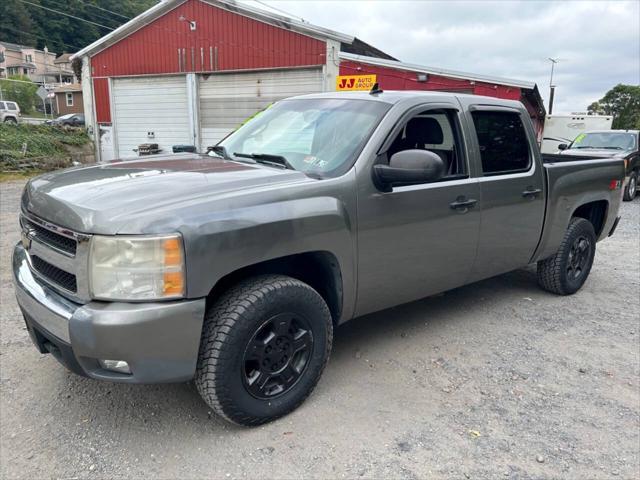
(531, 192)
(462, 204)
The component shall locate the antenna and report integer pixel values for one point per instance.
(375, 89)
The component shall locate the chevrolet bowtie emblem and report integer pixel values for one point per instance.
(27, 235)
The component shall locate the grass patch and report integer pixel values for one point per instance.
(13, 176)
(36, 114)
(25, 146)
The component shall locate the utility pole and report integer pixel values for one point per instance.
(552, 87)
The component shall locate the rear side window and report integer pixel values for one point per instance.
(11, 106)
(504, 147)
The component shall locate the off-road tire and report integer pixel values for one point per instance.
(632, 187)
(553, 274)
(11, 120)
(230, 324)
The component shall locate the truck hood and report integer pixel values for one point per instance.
(101, 198)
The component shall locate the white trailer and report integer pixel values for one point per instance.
(564, 128)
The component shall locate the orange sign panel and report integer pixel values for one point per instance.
(355, 82)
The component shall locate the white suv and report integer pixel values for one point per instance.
(9, 112)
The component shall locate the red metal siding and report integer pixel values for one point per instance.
(101, 96)
(241, 42)
(391, 79)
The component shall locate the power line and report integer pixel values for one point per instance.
(101, 17)
(66, 14)
(105, 10)
(3, 27)
(278, 10)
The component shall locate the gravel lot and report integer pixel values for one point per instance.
(493, 380)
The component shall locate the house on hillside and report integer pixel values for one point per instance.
(191, 71)
(39, 65)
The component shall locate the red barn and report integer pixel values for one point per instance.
(190, 71)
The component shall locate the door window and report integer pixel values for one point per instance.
(436, 131)
(504, 147)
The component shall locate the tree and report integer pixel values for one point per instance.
(30, 24)
(23, 92)
(623, 103)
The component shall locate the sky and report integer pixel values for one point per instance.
(597, 42)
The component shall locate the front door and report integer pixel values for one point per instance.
(418, 240)
(512, 191)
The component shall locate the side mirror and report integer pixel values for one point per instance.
(563, 146)
(409, 167)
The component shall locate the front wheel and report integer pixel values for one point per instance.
(264, 346)
(566, 271)
(632, 187)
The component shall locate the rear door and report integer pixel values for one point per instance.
(512, 189)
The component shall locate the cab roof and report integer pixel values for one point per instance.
(396, 96)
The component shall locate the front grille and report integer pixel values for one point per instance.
(52, 239)
(54, 274)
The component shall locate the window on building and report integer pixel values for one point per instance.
(69, 99)
(25, 71)
(504, 147)
(29, 58)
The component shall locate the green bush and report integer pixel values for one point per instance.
(22, 92)
(41, 142)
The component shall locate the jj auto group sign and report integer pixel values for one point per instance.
(355, 82)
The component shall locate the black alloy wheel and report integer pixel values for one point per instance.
(264, 345)
(566, 271)
(579, 257)
(277, 355)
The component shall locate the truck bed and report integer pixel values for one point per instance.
(556, 158)
(575, 181)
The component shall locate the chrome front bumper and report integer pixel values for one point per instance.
(159, 341)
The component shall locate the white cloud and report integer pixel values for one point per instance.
(599, 42)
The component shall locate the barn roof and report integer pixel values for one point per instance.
(265, 16)
(381, 62)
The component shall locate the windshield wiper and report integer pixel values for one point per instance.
(220, 151)
(611, 148)
(267, 159)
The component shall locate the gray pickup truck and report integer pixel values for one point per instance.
(233, 269)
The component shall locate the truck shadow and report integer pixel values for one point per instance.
(431, 313)
(152, 408)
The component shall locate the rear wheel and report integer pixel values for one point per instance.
(632, 187)
(264, 346)
(10, 120)
(565, 272)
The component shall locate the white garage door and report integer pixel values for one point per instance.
(150, 110)
(228, 99)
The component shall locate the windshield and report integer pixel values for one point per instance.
(321, 137)
(64, 117)
(605, 140)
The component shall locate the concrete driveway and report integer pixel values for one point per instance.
(494, 380)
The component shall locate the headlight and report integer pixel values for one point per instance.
(136, 268)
